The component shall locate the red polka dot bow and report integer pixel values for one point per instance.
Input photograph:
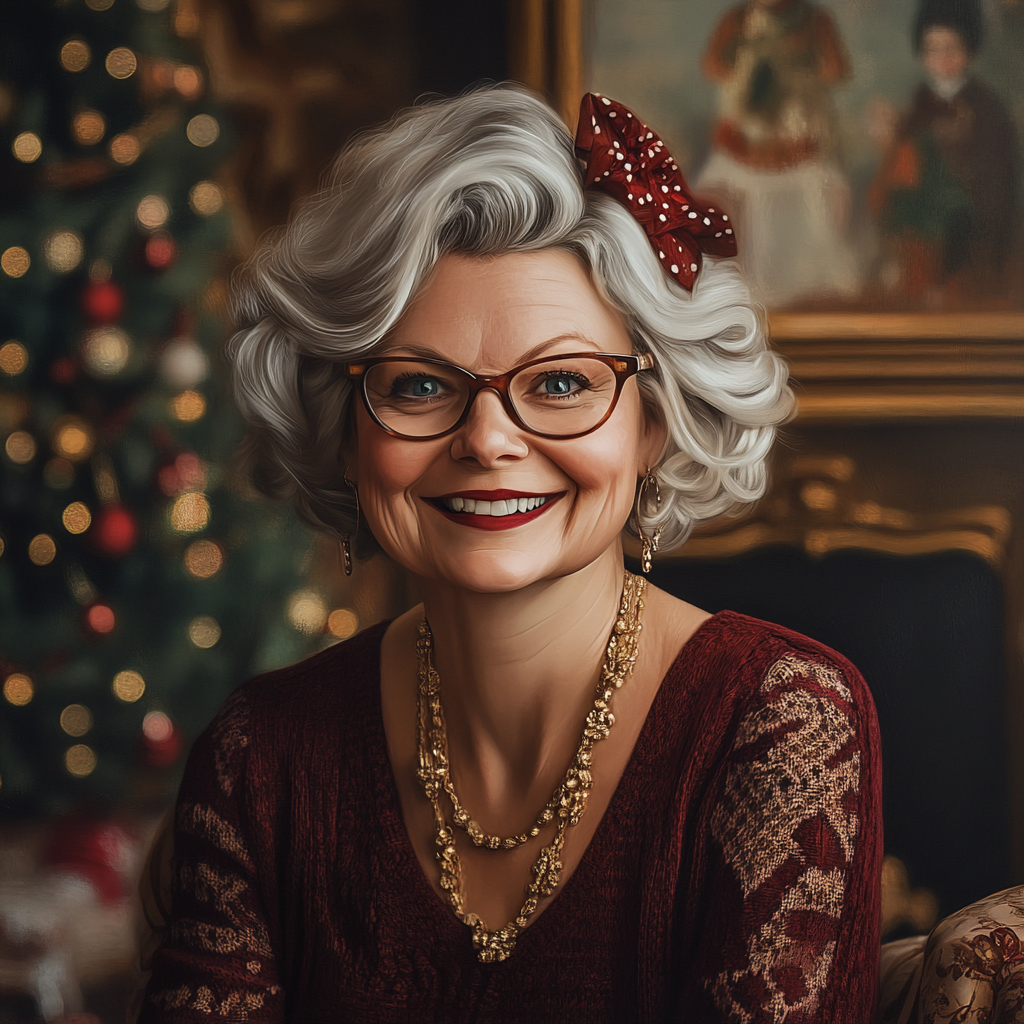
(628, 161)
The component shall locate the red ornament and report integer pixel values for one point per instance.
(186, 473)
(100, 619)
(102, 302)
(160, 251)
(100, 852)
(628, 161)
(115, 531)
(161, 740)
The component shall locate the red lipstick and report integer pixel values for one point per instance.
(487, 521)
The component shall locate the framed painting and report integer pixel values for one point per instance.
(869, 149)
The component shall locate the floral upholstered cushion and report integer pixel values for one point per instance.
(969, 970)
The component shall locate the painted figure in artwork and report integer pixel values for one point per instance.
(774, 157)
(946, 193)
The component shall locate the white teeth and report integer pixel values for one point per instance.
(493, 508)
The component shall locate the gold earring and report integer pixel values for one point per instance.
(346, 541)
(649, 544)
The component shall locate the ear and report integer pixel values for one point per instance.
(654, 435)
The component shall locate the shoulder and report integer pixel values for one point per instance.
(773, 668)
(732, 20)
(273, 713)
(983, 97)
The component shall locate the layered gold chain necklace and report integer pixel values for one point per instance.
(567, 803)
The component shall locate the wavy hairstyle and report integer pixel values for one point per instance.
(487, 173)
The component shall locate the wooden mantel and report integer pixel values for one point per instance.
(885, 367)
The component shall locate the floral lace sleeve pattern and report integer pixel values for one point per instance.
(216, 962)
(785, 826)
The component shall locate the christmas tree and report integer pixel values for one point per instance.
(139, 583)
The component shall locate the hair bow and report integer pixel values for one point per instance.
(628, 161)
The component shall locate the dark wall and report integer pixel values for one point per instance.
(459, 42)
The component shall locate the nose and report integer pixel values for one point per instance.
(489, 437)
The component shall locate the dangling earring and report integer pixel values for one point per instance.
(346, 541)
(649, 543)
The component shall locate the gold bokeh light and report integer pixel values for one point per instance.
(63, 250)
(121, 63)
(88, 127)
(105, 351)
(75, 55)
(41, 549)
(27, 147)
(72, 438)
(15, 261)
(18, 689)
(128, 686)
(80, 760)
(188, 81)
(203, 559)
(153, 212)
(206, 198)
(190, 513)
(204, 631)
(76, 720)
(202, 130)
(188, 407)
(125, 148)
(307, 611)
(13, 358)
(20, 447)
(76, 518)
(342, 623)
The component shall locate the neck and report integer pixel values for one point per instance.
(947, 88)
(518, 670)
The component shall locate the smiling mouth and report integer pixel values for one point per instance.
(500, 510)
(501, 507)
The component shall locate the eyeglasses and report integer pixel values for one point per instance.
(562, 396)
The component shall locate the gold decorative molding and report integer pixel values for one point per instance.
(877, 367)
(546, 51)
(817, 505)
(892, 326)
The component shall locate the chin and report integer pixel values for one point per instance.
(496, 572)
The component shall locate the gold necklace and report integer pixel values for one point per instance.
(567, 803)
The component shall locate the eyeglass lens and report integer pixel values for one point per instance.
(560, 396)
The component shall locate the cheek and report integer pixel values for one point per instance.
(388, 466)
(603, 466)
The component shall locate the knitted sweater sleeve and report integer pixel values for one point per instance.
(794, 853)
(216, 961)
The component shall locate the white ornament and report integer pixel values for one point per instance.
(183, 364)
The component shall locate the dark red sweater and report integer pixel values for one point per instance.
(734, 877)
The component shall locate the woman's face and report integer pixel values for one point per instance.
(943, 53)
(489, 315)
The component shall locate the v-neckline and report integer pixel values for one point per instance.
(396, 833)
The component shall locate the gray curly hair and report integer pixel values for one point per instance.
(487, 173)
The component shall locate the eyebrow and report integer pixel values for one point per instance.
(533, 353)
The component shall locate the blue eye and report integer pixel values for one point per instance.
(558, 386)
(417, 387)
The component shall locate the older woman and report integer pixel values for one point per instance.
(549, 792)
